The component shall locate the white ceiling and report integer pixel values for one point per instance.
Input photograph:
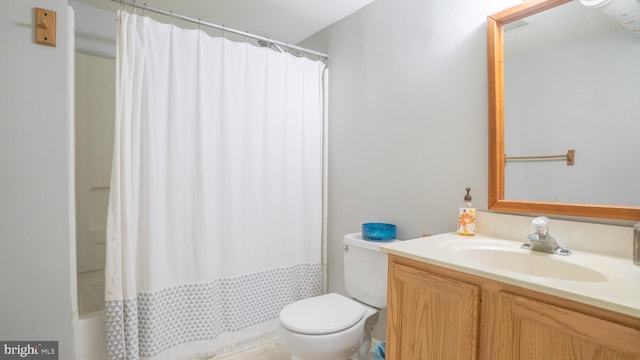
(563, 24)
(289, 21)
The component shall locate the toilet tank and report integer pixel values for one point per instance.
(365, 270)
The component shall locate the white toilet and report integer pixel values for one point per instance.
(334, 327)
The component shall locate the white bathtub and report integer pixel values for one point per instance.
(90, 335)
(90, 291)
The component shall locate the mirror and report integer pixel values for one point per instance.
(521, 202)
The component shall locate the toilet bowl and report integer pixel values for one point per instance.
(327, 327)
(333, 326)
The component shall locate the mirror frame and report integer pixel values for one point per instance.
(495, 63)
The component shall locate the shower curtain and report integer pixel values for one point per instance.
(215, 211)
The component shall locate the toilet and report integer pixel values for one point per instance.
(335, 327)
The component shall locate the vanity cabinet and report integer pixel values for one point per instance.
(438, 313)
(430, 316)
(532, 329)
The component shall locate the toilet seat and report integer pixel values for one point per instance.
(325, 314)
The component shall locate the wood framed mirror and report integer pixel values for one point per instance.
(497, 156)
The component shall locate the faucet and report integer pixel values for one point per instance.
(541, 240)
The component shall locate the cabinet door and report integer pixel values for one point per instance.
(530, 329)
(430, 317)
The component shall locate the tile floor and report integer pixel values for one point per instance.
(268, 351)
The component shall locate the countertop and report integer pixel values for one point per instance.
(619, 291)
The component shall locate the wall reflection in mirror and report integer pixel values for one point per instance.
(572, 81)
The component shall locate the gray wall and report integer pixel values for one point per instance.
(407, 116)
(36, 208)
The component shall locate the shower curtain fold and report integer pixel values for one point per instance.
(215, 210)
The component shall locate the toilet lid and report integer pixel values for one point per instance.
(323, 314)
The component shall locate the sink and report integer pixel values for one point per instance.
(506, 257)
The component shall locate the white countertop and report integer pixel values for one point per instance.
(619, 291)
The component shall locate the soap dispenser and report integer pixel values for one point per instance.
(467, 217)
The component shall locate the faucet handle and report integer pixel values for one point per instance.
(541, 225)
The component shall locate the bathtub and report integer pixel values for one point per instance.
(90, 334)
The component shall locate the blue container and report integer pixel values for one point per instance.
(378, 231)
(379, 352)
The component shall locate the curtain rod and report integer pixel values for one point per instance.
(220, 27)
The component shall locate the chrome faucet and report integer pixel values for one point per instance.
(541, 240)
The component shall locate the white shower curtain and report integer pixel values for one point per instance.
(215, 210)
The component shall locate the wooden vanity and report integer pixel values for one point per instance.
(435, 312)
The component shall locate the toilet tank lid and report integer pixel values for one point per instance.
(319, 315)
(356, 239)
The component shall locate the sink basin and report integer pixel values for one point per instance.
(526, 262)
